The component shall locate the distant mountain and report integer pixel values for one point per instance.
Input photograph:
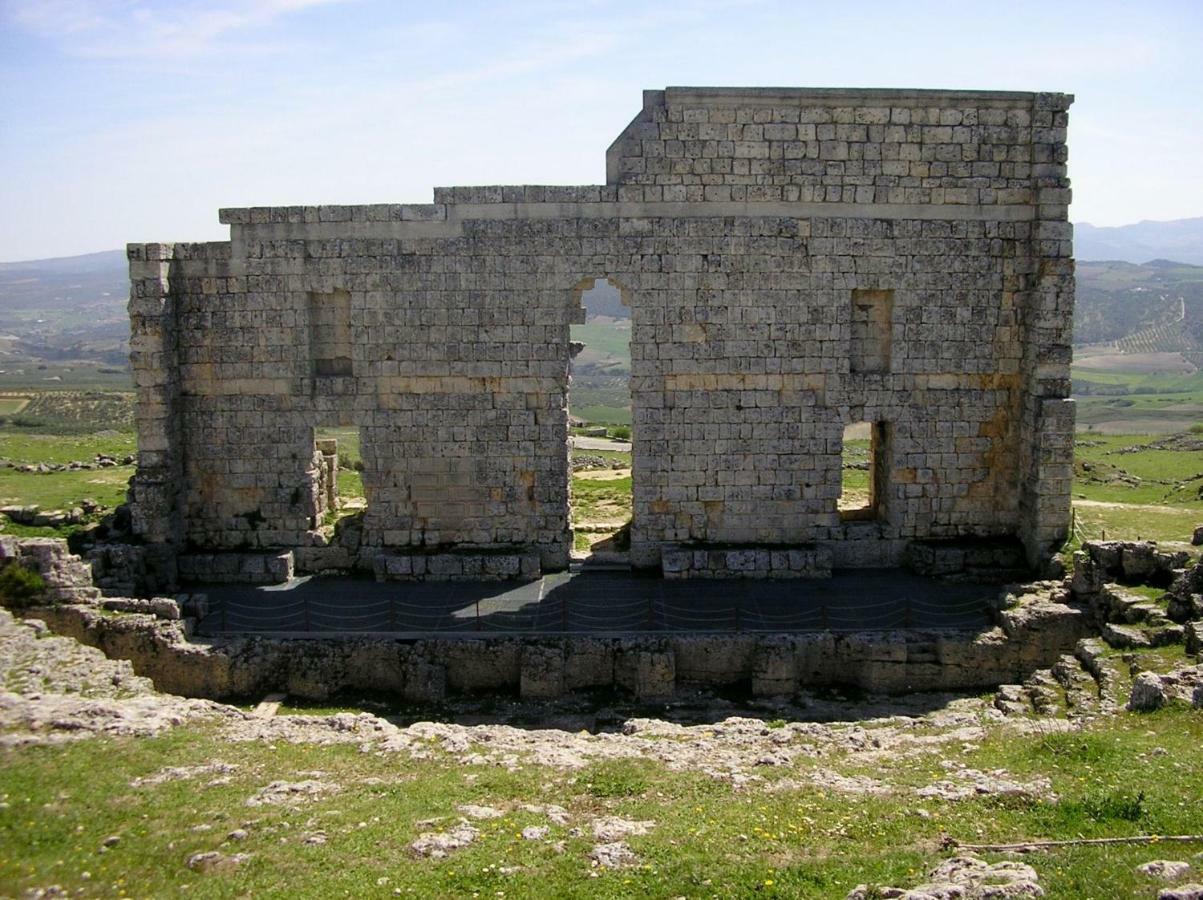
(66, 310)
(72, 310)
(1179, 239)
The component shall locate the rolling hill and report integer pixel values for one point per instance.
(1179, 239)
(65, 320)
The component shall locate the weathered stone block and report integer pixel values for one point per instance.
(542, 676)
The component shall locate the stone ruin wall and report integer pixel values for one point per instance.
(794, 260)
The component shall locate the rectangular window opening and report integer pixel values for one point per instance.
(863, 467)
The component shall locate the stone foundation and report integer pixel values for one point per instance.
(540, 667)
(1033, 630)
(236, 568)
(745, 562)
(462, 565)
(985, 559)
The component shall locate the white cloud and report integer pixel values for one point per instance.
(124, 29)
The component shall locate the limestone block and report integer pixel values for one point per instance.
(542, 675)
(646, 669)
(1088, 576)
(774, 668)
(424, 681)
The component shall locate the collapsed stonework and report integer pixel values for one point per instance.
(794, 260)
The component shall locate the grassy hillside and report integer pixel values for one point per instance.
(1140, 309)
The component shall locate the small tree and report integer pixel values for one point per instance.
(20, 588)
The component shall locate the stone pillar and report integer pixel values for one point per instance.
(1047, 423)
(156, 487)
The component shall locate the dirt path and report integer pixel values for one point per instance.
(1105, 504)
(588, 443)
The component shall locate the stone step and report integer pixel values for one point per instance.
(1013, 700)
(1125, 636)
(1081, 690)
(1113, 680)
(1138, 636)
(1046, 693)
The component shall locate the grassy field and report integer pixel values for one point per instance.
(62, 490)
(781, 836)
(67, 412)
(605, 399)
(607, 346)
(1133, 401)
(604, 499)
(1139, 469)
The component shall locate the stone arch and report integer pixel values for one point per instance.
(590, 281)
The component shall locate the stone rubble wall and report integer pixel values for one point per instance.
(648, 667)
(740, 225)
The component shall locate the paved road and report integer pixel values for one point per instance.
(588, 443)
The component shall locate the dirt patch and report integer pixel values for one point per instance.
(1135, 362)
(602, 474)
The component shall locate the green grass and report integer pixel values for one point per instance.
(350, 483)
(601, 398)
(57, 448)
(595, 500)
(74, 412)
(62, 490)
(1160, 399)
(59, 807)
(855, 482)
(1131, 523)
(58, 490)
(607, 415)
(607, 346)
(1167, 477)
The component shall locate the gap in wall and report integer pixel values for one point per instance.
(599, 416)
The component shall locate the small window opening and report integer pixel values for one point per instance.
(599, 420)
(863, 467)
(330, 333)
(872, 313)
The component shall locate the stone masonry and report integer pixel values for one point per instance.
(795, 260)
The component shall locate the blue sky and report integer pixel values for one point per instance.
(131, 120)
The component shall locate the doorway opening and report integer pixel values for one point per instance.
(599, 423)
(863, 467)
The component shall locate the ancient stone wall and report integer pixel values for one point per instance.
(794, 260)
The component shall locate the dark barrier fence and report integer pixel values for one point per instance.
(566, 610)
